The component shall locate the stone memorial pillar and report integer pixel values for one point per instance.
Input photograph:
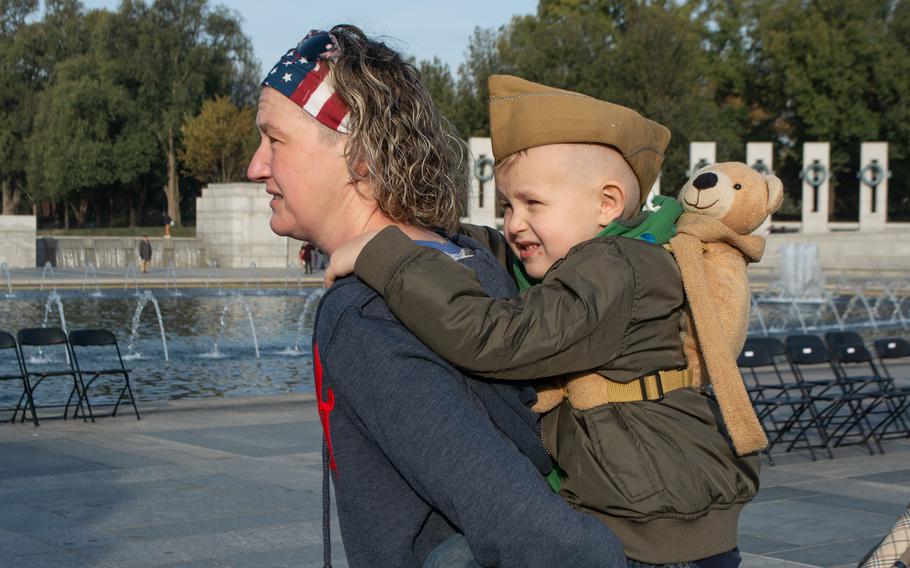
(760, 155)
(232, 219)
(815, 174)
(17, 240)
(481, 208)
(873, 186)
(701, 154)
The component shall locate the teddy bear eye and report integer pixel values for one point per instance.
(738, 186)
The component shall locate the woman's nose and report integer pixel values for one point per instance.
(259, 170)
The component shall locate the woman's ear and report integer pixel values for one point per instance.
(612, 203)
(359, 170)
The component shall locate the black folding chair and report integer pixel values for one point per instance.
(787, 410)
(896, 350)
(86, 338)
(39, 337)
(7, 342)
(846, 420)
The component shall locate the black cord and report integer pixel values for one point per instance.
(326, 509)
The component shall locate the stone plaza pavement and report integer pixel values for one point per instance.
(237, 483)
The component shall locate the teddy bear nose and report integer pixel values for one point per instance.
(705, 181)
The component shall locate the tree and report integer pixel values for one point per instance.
(660, 67)
(87, 136)
(646, 55)
(185, 54)
(19, 79)
(831, 71)
(219, 141)
(470, 115)
(437, 78)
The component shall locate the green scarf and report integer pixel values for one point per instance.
(656, 226)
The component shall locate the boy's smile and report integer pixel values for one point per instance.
(552, 202)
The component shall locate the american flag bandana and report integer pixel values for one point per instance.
(303, 76)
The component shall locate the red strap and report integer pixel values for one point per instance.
(324, 406)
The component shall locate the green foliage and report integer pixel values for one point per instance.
(645, 55)
(95, 105)
(787, 71)
(92, 103)
(219, 141)
(87, 132)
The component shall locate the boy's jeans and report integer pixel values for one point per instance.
(455, 553)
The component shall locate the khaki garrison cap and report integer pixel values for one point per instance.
(525, 114)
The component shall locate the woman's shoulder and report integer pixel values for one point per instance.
(349, 297)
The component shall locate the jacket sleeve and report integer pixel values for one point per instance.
(575, 320)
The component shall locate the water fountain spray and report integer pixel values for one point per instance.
(212, 274)
(90, 270)
(307, 316)
(48, 268)
(234, 298)
(144, 299)
(131, 272)
(171, 277)
(251, 275)
(4, 268)
(54, 298)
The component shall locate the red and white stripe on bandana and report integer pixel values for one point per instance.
(303, 76)
(316, 95)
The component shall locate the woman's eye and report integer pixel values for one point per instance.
(532, 202)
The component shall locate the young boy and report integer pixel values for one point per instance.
(654, 462)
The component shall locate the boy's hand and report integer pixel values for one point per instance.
(342, 261)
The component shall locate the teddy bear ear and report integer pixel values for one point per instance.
(775, 193)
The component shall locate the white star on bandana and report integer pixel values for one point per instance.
(287, 78)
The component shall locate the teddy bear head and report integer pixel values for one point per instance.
(735, 194)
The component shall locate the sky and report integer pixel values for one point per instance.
(421, 29)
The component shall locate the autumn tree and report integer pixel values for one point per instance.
(219, 141)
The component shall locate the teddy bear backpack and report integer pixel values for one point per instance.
(722, 205)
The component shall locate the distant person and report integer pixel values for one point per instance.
(168, 223)
(145, 253)
(307, 251)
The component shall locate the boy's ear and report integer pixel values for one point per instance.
(612, 203)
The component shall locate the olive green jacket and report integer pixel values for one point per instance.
(663, 474)
(596, 309)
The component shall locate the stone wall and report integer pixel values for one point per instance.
(17, 240)
(120, 252)
(232, 219)
(884, 254)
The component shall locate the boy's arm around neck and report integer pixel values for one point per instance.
(574, 321)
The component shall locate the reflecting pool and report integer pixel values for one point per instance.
(205, 343)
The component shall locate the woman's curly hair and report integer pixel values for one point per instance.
(410, 153)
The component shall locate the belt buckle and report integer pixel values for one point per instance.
(657, 382)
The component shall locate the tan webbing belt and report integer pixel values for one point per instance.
(649, 387)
